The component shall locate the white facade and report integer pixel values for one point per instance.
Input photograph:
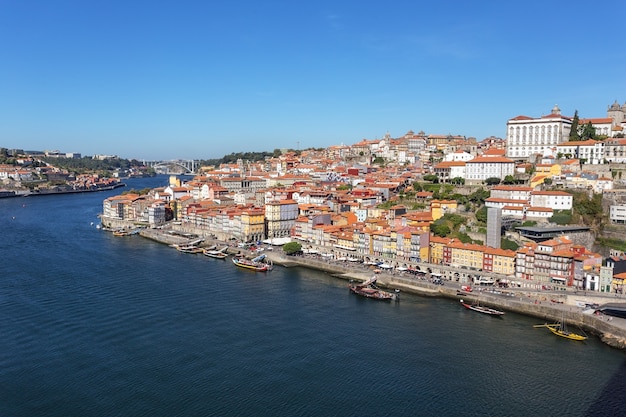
(591, 151)
(556, 200)
(617, 214)
(511, 192)
(527, 136)
(483, 167)
(458, 156)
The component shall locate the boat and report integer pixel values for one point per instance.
(369, 289)
(258, 264)
(560, 329)
(476, 306)
(189, 249)
(216, 253)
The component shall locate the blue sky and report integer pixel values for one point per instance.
(201, 79)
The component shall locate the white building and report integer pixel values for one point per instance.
(280, 217)
(450, 169)
(592, 151)
(483, 167)
(527, 136)
(459, 155)
(617, 214)
(556, 200)
(511, 192)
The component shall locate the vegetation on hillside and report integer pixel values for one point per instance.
(617, 244)
(233, 157)
(88, 164)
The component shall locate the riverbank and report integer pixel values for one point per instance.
(610, 330)
(545, 306)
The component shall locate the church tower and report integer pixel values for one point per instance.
(617, 113)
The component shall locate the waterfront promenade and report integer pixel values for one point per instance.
(546, 306)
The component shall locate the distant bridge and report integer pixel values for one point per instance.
(176, 166)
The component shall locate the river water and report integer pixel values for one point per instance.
(98, 325)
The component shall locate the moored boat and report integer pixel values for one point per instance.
(369, 289)
(256, 264)
(189, 249)
(216, 253)
(560, 329)
(482, 309)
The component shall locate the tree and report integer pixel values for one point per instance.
(573, 133)
(492, 181)
(509, 179)
(440, 229)
(587, 132)
(457, 181)
(547, 181)
(508, 244)
(481, 214)
(432, 178)
(561, 218)
(292, 248)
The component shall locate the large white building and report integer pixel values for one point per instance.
(483, 167)
(556, 200)
(527, 136)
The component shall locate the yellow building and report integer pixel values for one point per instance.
(440, 207)
(253, 224)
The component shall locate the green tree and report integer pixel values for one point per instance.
(508, 244)
(457, 181)
(561, 218)
(440, 229)
(464, 237)
(432, 178)
(479, 196)
(492, 181)
(455, 219)
(292, 248)
(481, 214)
(509, 179)
(587, 131)
(573, 133)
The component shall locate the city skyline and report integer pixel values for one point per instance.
(199, 81)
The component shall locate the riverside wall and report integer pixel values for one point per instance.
(610, 330)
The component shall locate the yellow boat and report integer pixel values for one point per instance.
(560, 330)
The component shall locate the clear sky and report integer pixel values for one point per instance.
(201, 79)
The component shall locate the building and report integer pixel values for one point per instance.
(480, 168)
(280, 217)
(494, 227)
(528, 137)
(617, 214)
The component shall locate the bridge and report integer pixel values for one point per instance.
(175, 166)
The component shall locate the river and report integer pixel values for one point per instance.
(98, 325)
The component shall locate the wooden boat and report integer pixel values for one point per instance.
(369, 289)
(560, 329)
(482, 309)
(216, 253)
(257, 264)
(189, 249)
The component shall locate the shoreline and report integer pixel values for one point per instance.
(610, 330)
